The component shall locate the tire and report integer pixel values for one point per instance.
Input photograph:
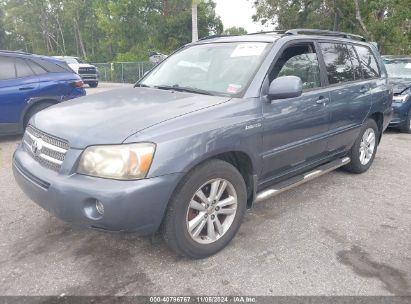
(362, 161)
(34, 110)
(175, 227)
(406, 127)
(93, 85)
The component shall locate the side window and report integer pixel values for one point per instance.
(355, 62)
(22, 68)
(38, 70)
(300, 61)
(337, 62)
(368, 63)
(53, 67)
(7, 70)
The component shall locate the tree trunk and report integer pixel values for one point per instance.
(61, 35)
(337, 18)
(80, 39)
(194, 21)
(360, 20)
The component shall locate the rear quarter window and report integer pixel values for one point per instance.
(38, 70)
(53, 67)
(369, 64)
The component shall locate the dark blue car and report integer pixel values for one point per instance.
(31, 83)
(399, 75)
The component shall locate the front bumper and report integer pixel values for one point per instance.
(136, 206)
(89, 77)
(400, 113)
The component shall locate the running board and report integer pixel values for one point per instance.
(301, 179)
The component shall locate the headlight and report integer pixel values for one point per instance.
(124, 162)
(401, 98)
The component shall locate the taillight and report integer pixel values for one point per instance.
(77, 84)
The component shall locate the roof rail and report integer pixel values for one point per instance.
(15, 52)
(213, 36)
(324, 33)
(268, 32)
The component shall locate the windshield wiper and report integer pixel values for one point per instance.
(183, 89)
(141, 85)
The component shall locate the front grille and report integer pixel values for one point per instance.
(48, 150)
(90, 70)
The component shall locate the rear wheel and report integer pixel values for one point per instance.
(34, 110)
(93, 84)
(363, 152)
(406, 127)
(206, 210)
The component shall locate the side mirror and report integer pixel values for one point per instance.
(285, 87)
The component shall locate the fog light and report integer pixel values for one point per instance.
(100, 207)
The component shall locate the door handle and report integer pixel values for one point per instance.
(363, 89)
(26, 88)
(322, 100)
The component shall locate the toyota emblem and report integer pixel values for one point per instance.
(36, 146)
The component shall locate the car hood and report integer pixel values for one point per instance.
(76, 66)
(111, 117)
(400, 84)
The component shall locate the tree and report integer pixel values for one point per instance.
(194, 20)
(103, 31)
(388, 22)
(2, 29)
(235, 31)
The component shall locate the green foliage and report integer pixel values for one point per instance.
(388, 22)
(235, 31)
(102, 30)
(2, 29)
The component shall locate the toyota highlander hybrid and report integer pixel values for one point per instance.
(223, 123)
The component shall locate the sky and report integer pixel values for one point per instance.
(238, 13)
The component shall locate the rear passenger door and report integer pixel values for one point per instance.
(350, 94)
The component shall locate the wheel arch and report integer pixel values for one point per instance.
(378, 117)
(33, 102)
(241, 160)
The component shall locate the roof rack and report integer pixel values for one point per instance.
(268, 32)
(15, 52)
(324, 33)
(213, 36)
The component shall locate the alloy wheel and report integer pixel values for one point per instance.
(211, 211)
(367, 146)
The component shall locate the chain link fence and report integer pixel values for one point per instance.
(123, 72)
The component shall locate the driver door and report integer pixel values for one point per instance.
(295, 129)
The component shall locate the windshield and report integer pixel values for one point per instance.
(221, 69)
(398, 68)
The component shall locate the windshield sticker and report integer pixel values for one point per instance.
(249, 49)
(233, 88)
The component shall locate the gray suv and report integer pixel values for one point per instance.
(223, 123)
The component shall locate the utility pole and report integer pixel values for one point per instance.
(195, 20)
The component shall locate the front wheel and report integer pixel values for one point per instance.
(406, 127)
(93, 84)
(363, 152)
(206, 210)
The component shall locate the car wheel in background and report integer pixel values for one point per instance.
(93, 84)
(363, 152)
(406, 127)
(206, 210)
(34, 110)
